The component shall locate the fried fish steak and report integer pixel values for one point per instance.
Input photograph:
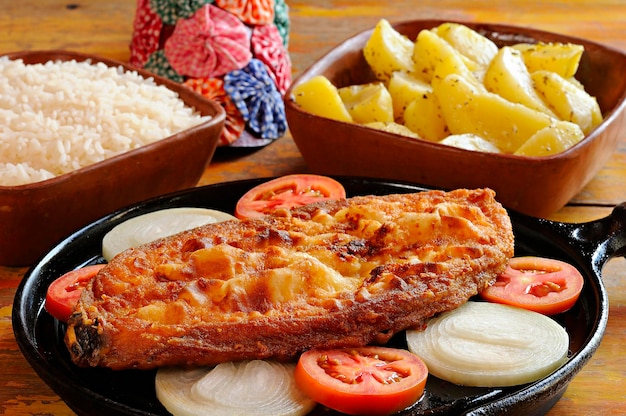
(331, 274)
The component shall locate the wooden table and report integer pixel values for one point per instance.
(105, 28)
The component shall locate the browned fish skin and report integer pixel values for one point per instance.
(332, 274)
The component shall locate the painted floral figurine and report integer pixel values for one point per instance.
(231, 51)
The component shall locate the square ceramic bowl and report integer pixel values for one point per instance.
(533, 186)
(35, 216)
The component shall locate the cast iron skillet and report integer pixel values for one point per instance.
(99, 391)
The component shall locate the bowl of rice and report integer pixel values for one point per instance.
(82, 136)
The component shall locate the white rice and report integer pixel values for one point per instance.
(61, 116)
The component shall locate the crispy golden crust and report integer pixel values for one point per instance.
(332, 274)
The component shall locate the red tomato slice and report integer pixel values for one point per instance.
(538, 284)
(287, 192)
(365, 380)
(63, 294)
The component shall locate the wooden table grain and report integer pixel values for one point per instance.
(105, 28)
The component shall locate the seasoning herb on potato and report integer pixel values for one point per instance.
(405, 87)
(468, 42)
(425, 117)
(562, 58)
(505, 124)
(552, 139)
(388, 51)
(568, 100)
(367, 103)
(430, 49)
(320, 97)
(508, 77)
(452, 85)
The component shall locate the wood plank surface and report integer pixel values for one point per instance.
(105, 28)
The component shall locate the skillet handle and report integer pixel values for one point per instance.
(598, 240)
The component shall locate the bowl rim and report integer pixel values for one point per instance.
(68, 55)
(499, 28)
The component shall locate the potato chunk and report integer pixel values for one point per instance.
(467, 109)
(508, 77)
(320, 97)
(424, 116)
(452, 65)
(387, 51)
(468, 42)
(470, 142)
(394, 128)
(562, 58)
(430, 49)
(404, 88)
(367, 102)
(551, 140)
(568, 100)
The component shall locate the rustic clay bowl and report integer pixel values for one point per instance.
(533, 186)
(35, 216)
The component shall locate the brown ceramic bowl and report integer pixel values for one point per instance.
(533, 186)
(35, 216)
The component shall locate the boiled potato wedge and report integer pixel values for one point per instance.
(470, 142)
(320, 97)
(367, 103)
(468, 42)
(394, 128)
(404, 88)
(562, 58)
(387, 51)
(508, 77)
(568, 100)
(467, 109)
(452, 65)
(551, 140)
(429, 50)
(424, 116)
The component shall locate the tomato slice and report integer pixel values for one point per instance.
(63, 294)
(538, 284)
(364, 380)
(287, 192)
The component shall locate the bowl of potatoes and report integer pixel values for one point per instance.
(531, 114)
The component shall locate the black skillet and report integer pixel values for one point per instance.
(99, 391)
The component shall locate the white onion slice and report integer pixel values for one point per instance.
(154, 225)
(256, 387)
(490, 345)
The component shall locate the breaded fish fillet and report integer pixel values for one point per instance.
(331, 274)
